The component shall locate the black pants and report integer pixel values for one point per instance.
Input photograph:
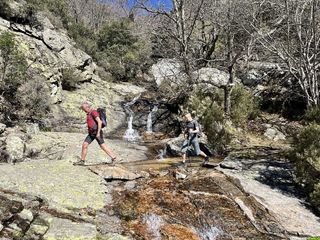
(93, 136)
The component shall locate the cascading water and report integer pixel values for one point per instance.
(131, 134)
(149, 121)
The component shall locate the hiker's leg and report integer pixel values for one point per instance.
(197, 149)
(184, 157)
(184, 150)
(84, 151)
(85, 145)
(107, 150)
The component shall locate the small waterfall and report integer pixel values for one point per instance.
(149, 121)
(161, 154)
(131, 134)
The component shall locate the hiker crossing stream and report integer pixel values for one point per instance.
(140, 197)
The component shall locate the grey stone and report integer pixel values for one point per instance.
(32, 128)
(274, 134)
(26, 215)
(1, 227)
(15, 147)
(180, 175)
(130, 185)
(210, 165)
(212, 75)
(36, 229)
(229, 164)
(114, 236)
(66, 229)
(2, 128)
(166, 69)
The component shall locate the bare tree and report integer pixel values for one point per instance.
(293, 37)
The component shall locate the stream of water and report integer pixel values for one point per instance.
(131, 134)
(149, 121)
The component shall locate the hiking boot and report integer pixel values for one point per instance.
(206, 161)
(79, 163)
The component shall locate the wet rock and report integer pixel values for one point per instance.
(111, 173)
(229, 164)
(173, 146)
(210, 165)
(180, 175)
(15, 148)
(274, 134)
(200, 207)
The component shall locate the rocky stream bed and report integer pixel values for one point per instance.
(139, 198)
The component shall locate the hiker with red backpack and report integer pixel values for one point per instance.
(96, 120)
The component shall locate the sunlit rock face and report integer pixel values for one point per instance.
(203, 206)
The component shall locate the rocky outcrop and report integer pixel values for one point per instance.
(255, 73)
(269, 178)
(166, 70)
(170, 72)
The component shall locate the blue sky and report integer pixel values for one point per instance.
(154, 3)
(158, 3)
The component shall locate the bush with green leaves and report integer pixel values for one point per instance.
(13, 66)
(244, 106)
(70, 79)
(306, 155)
(209, 107)
(119, 51)
(215, 127)
(5, 10)
(313, 114)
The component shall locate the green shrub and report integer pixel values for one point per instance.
(119, 51)
(211, 116)
(313, 114)
(244, 106)
(13, 66)
(33, 99)
(306, 155)
(84, 38)
(215, 128)
(5, 10)
(70, 79)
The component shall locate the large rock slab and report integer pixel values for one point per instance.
(64, 186)
(114, 173)
(62, 229)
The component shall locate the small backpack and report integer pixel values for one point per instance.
(200, 133)
(102, 116)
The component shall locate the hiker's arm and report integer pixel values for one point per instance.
(99, 126)
(194, 131)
